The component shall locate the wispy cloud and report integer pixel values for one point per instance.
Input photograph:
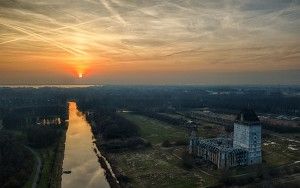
(205, 34)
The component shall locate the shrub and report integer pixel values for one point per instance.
(181, 143)
(166, 143)
(187, 161)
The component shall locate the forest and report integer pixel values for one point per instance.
(15, 161)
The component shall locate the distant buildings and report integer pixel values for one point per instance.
(49, 121)
(243, 149)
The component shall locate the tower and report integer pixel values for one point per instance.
(193, 136)
(247, 135)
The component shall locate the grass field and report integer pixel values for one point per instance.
(158, 166)
(47, 157)
(162, 167)
(277, 151)
(154, 168)
(52, 158)
(209, 130)
(156, 131)
(31, 178)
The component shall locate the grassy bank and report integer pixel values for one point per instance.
(52, 160)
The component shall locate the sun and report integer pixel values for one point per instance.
(80, 75)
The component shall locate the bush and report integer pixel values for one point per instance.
(187, 161)
(207, 127)
(181, 143)
(225, 178)
(166, 143)
(112, 126)
(123, 178)
(274, 172)
(15, 162)
(41, 137)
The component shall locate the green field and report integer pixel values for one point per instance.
(47, 157)
(52, 158)
(31, 178)
(156, 131)
(154, 168)
(162, 167)
(158, 166)
(276, 151)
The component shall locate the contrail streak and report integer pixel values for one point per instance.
(57, 44)
(58, 29)
(76, 25)
(112, 11)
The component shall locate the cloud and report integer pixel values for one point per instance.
(205, 33)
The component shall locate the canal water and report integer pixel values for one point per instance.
(80, 157)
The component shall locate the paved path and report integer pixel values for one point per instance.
(38, 167)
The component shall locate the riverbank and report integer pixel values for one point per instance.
(111, 173)
(115, 175)
(37, 170)
(52, 160)
(82, 160)
(58, 163)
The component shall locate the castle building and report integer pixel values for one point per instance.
(243, 149)
(247, 135)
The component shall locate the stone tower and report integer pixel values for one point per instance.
(247, 135)
(193, 136)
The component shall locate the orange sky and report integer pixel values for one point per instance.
(149, 42)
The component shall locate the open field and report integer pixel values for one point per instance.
(154, 168)
(278, 148)
(280, 151)
(158, 166)
(209, 130)
(156, 131)
(47, 157)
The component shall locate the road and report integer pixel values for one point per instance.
(38, 167)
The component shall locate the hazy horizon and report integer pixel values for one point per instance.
(144, 42)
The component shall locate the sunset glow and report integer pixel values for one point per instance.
(160, 42)
(198, 75)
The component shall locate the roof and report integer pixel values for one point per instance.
(247, 115)
(219, 144)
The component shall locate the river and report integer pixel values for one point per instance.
(80, 157)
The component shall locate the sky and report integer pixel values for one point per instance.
(150, 42)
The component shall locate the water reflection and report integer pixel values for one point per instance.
(80, 157)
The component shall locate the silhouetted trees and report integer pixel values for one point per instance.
(187, 161)
(41, 137)
(113, 126)
(282, 128)
(162, 117)
(117, 132)
(16, 162)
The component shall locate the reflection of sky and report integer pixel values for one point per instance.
(121, 37)
(79, 155)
